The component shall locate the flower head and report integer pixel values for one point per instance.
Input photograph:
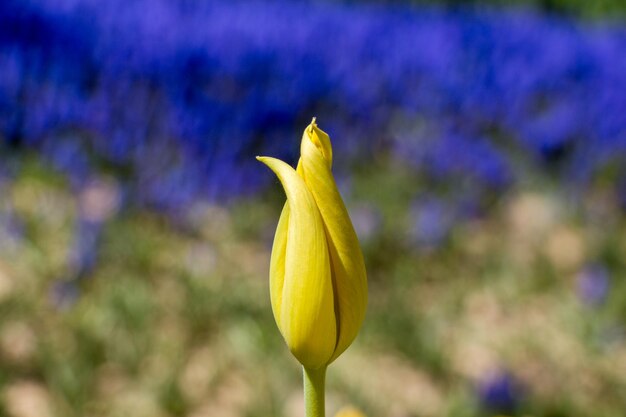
(318, 283)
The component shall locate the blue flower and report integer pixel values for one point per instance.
(500, 393)
(183, 93)
(593, 284)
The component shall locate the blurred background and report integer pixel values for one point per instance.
(480, 147)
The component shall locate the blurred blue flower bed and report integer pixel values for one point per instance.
(179, 96)
(481, 152)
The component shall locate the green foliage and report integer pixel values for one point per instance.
(176, 320)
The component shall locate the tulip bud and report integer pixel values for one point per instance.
(318, 283)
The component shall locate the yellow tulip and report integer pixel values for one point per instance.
(318, 283)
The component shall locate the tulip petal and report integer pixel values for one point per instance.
(347, 264)
(277, 263)
(321, 140)
(306, 318)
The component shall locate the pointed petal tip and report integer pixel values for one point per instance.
(280, 168)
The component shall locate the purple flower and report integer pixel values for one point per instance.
(500, 393)
(593, 284)
(432, 219)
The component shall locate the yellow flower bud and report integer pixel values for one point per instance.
(318, 284)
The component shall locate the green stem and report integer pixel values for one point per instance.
(314, 380)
